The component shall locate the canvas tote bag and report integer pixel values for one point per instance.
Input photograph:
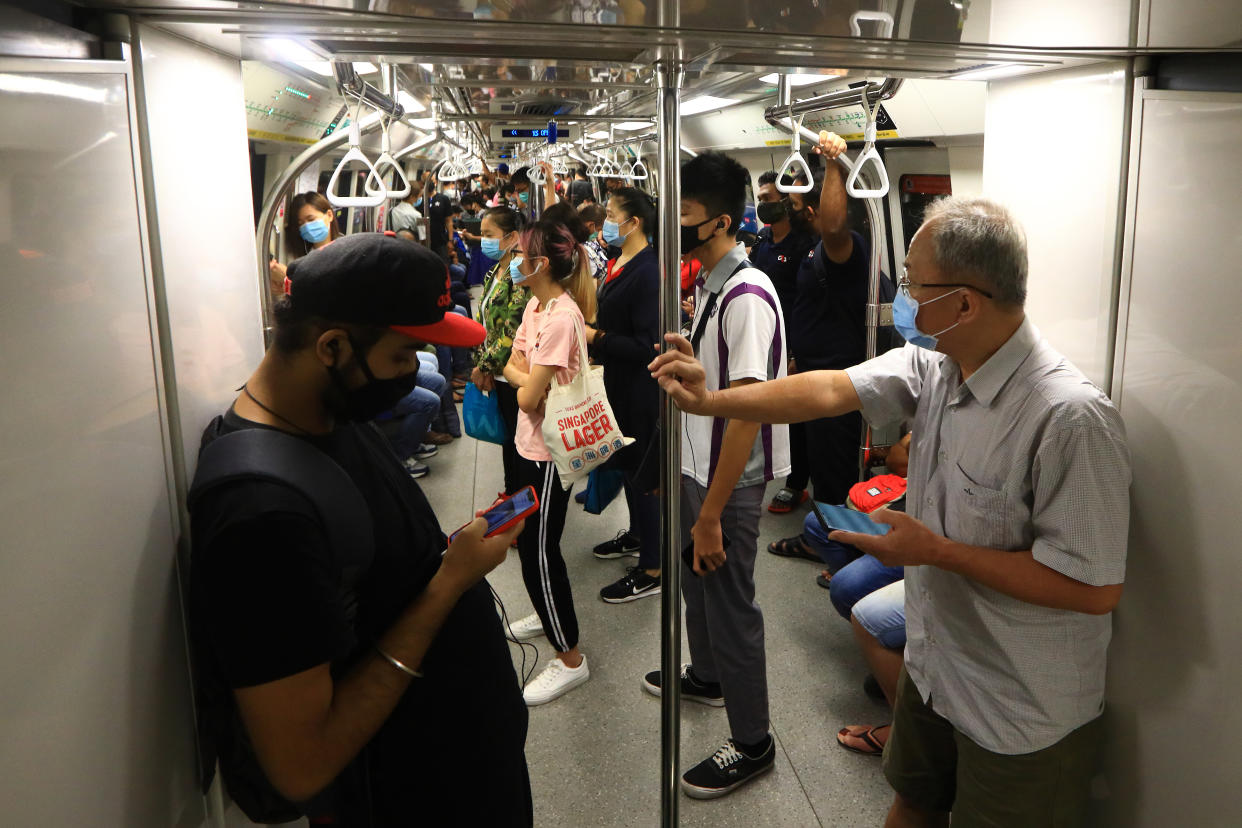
(579, 428)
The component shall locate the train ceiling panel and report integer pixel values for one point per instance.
(595, 58)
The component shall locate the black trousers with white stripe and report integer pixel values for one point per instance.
(539, 547)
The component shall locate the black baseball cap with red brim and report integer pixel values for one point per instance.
(382, 280)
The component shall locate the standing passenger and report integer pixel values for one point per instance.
(554, 266)
(829, 327)
(310, 223)
(626, 331)
(779, 253)
(500, 311)
(353, 686)
(1014, 545)
(725, 464)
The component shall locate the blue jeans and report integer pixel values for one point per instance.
(441, 362)
(854, 575)
(418, 408)
(883, 614)
(834, 555)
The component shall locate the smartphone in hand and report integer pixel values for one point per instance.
(687, 554)
(502, 516)
(847, 520)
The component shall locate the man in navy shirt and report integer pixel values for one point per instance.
(828, 330)
(779, 253)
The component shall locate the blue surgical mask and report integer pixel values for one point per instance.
(524, 197)
(905, 319)
(612, 233)
(515, 274)
(314, 231)
(491, 248)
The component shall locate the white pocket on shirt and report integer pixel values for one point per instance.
(979, 515)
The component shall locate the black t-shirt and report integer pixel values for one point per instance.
(440, 208)
(829, 327)
(780, 261)
(265, 604)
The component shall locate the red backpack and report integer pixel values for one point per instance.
(881, 490)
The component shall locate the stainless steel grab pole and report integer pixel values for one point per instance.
(670, 76)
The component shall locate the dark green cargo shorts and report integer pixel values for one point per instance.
(935, 767)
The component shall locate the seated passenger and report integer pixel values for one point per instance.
(1015, 544)
(356, 687)
(416, 411)
(879, 624)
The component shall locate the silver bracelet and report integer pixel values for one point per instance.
(398, 664)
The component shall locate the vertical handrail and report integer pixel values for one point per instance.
(670, 77)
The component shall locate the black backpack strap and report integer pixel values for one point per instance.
(267, 454)
(710, 306)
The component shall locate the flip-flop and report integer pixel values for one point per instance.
(874, 748)
(826, 583)
(793, 548)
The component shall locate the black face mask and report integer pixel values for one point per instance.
(770, 212)
(370, 400)
(690, 240)
(800, 219)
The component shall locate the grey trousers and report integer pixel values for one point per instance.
(723, 622)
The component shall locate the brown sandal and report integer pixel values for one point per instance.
(874, 747)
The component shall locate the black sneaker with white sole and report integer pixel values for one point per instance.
(624, 544)
(691, 688)
(634, 585)
(726, 770)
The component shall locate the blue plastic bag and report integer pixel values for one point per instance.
(603, 484)
(481, 413)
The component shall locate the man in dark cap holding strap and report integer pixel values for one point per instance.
(350, 664)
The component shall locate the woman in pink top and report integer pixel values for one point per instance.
(558, 272)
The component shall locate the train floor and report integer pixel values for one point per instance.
(594, 753)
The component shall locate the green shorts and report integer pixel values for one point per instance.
(933, 766)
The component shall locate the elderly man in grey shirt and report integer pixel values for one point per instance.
(1015, 539)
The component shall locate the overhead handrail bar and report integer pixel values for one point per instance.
(355, 153)
(883, 18)
(386, 159)
(776, 115)
(795, 159)
(421, 143)
(869, 153)
(355, 87)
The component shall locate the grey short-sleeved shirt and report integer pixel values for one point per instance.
(1026, 454)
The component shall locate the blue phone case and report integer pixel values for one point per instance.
(838, 517)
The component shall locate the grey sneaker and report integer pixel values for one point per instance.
(416, 469)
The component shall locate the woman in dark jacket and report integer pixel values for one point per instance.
(627, 327)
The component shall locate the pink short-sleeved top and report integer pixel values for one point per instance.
(547, 336)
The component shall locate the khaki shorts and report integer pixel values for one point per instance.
(933, 766)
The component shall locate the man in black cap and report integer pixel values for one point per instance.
(368, 686)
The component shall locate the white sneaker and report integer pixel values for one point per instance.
(556, 680)
(524, 629)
